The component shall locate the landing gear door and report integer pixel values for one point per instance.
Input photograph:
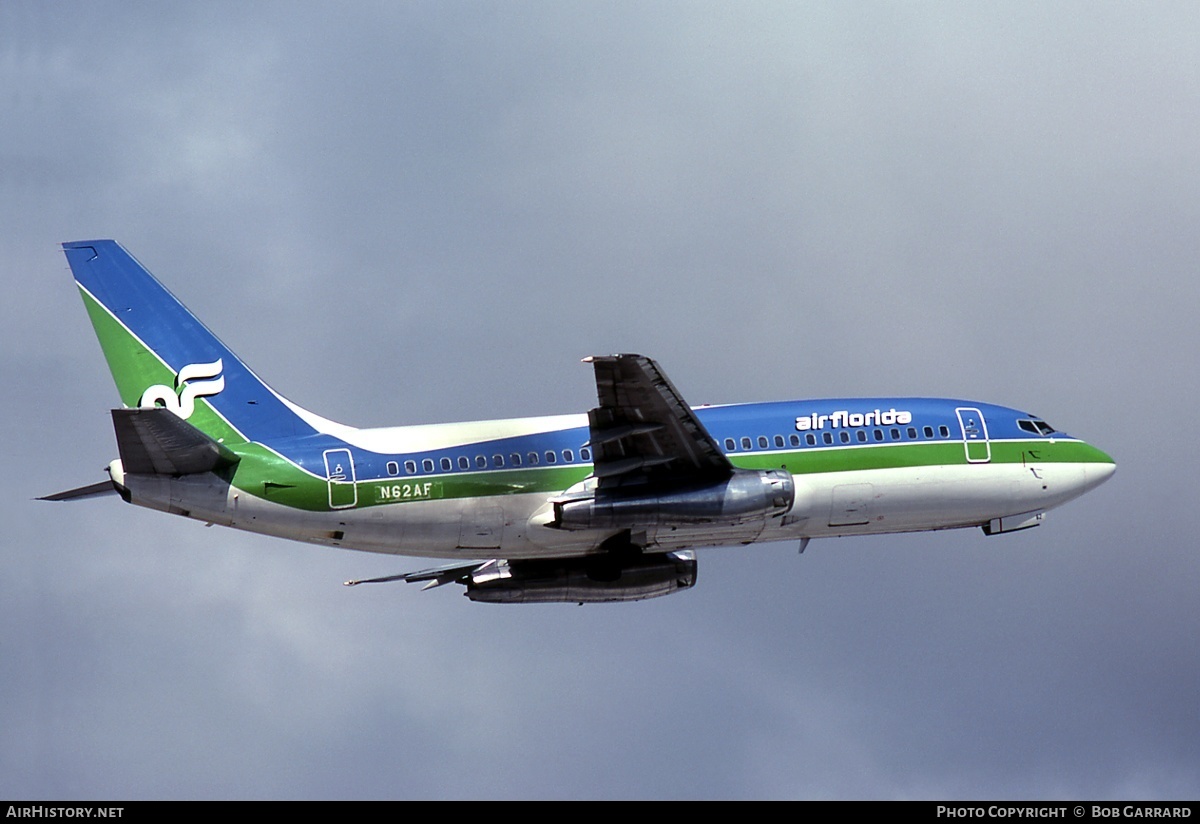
(339, 469)
(975, 436)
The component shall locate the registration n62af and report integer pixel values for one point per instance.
(408, 491)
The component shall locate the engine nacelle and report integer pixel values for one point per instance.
(746, 496)
(594, 579)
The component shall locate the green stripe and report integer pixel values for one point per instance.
(940, 453)
(265, 474)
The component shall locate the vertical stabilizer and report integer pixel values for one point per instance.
(161, 355)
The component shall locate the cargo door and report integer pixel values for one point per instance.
(851, 505)
(481, 527)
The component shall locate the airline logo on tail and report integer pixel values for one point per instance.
(191, 383)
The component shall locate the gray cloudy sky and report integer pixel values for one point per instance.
(416, 212)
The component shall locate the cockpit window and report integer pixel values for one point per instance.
(1036, 426)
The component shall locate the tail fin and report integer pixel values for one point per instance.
(161, 355)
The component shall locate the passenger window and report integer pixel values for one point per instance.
(730, 446)
(828, 436)
(410, 467)
(794, 440)
(845, 436)
(944, 431)
(393, 468)
(464, 462)
(895, 434)
(515, 458)
(551, 457)
(498, 461)
(762, 441)
(928, 431)
(862, 436)
(746, 443)
(585, 454)
(879, 434)
(568, 456)
(427, 464)
(912, 433)
(810, 439)
(480, 462)
(446, 465)
(533, 459)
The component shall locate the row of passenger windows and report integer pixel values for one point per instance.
(498, 461)
(843, 436)
(515, 459)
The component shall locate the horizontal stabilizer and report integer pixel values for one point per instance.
(89, 491)
(159, 442)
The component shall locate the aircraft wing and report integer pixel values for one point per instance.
(643, 431)
(436, 577)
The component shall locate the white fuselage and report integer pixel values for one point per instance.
(854, 502)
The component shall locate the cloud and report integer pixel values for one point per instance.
(428, 213)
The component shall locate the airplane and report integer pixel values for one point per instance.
(604, 506)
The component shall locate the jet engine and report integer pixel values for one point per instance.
(745, 496)
(593, 579)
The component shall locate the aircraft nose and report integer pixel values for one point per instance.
(1098, 470)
